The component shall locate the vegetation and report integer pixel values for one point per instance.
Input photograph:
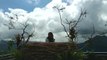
(71, 55)
(76, 54)
(14, 51)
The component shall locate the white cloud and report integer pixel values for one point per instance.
(46, 19)
(35, 2)
(55, 3)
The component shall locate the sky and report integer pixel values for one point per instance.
(43, 18)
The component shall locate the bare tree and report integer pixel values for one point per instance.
(71, 33)
(23, 37)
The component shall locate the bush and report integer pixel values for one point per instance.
(17, 54)
(71, 55)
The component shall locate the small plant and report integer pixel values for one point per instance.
(14, 51)
(17, 54)
(71, 55)
(11, 45)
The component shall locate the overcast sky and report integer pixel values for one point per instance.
(46, 19)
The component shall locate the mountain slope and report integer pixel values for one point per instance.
(97, 44)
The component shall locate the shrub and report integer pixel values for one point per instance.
(71, 55)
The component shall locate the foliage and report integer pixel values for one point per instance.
(71, 55)
(12, 50)
(17, 54)
(11, 45)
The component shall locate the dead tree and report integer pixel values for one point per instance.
(23, 37)
(71, 33)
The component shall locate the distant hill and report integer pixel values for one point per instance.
(97, 44)
(3, 45)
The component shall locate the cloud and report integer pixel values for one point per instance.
(35, 2)
(46, 19)
(95, 9)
